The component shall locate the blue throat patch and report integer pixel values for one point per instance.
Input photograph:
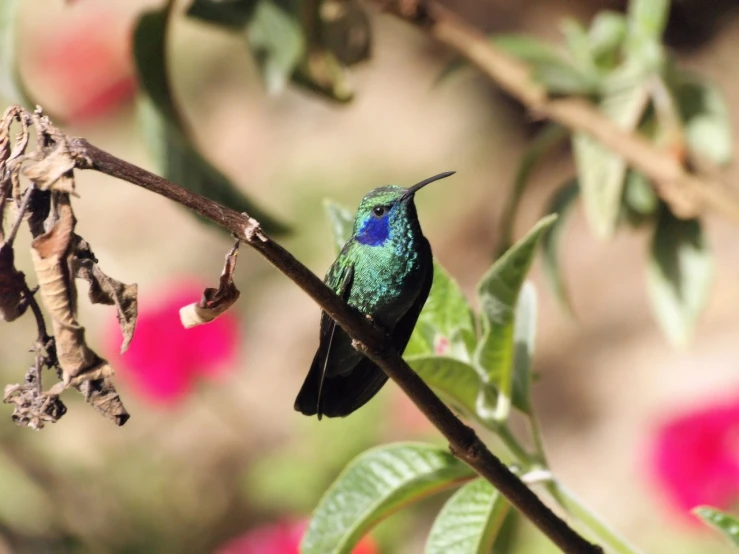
(375, 231)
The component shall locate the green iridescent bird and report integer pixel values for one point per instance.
(385, 271)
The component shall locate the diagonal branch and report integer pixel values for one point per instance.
(687, 193)
(463, 441)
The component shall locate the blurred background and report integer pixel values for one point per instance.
(214, 452)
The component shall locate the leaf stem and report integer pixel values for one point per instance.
(537, 438)
(511, 443)
(562, 495)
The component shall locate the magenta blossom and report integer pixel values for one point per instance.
(280, 538)
(84, 61)
(164, 359)
(695, 457)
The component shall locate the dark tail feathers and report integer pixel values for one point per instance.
(342, 394)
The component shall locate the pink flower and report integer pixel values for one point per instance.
(441, 345)
(695, 457)
(280, 538)
(164, 359)
(84, 63)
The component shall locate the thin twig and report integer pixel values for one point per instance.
(44, 343)
(463, 441)
(687, 193)
(43, 336)
(19, 217)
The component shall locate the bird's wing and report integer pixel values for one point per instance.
(339, 278)
(342, 288)
(343, 394)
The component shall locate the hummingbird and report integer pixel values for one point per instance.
(384, 271)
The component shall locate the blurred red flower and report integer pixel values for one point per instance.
(280, 538)
(164, 359)
(85, 64)
(695, 457)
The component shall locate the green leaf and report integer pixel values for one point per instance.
(422, 341)
(561, 203)
(705, 117)
(578, 44)
(149, 52)
(606, 36)
(11, 88)
(446, 324)
(456, 381)
(447, 309)
(341, 221)
(679, 275)
(375, 484)
(544, 142)
(276, 38)
(165, 131)
(524, 337)
(528, 49)
(640, 202)
(639, 194)
(498, 292)
(556, 74)
(721, 521)
(469, 521)
(646, 20)
(601, 172)
(565, 80)
(233, 14)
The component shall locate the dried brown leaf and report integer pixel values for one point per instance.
(33, 409)
(53, 171)
(50, 256)
(105, 399)
(214, 302)
(13, 301)
(10, 159)
(53, 259)
(106, 290)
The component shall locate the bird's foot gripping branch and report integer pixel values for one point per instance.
(42, 200)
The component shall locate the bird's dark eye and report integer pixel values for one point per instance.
(379, 211)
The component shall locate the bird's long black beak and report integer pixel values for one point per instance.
(408, 194)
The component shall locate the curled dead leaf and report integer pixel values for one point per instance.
(54, 171)
(50, 256)
(106, 290)
(102, 395)
(53, 260)
(214, 302)
(346, 30)
(13, 301)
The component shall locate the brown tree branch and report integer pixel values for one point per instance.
(463, 441)
(687, 193)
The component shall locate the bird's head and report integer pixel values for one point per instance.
(382, 207)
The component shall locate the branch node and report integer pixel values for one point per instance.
(253, 230)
